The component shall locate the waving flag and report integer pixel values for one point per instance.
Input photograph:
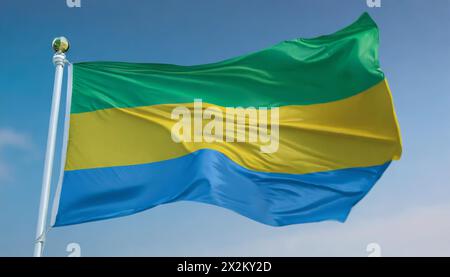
(298, 132)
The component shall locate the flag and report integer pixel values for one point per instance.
(298, 132)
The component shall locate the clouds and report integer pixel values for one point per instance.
(415, 231)
(419, 231)
(11, 141)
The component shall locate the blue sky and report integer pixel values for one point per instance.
(407, 212)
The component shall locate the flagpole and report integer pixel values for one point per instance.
(60, 46)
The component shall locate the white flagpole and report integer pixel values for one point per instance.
(60, 45)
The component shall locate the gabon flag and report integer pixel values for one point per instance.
(298, 132)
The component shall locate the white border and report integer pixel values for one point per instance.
(64, 147)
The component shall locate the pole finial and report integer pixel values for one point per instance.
(60, 45)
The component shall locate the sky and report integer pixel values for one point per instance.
(407, 213)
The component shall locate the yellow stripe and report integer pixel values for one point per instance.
(354, 132)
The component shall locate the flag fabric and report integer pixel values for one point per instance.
(335, 132)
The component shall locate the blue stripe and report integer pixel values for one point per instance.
(210, 177)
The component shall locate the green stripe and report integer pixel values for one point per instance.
(294, 72)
